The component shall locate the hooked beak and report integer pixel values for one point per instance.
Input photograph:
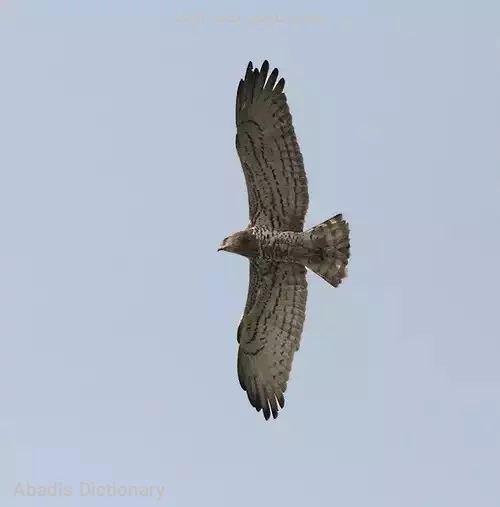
(220, 249)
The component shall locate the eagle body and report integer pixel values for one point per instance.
(268, 244)
(278, 248)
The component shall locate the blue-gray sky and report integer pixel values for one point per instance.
(118, 180)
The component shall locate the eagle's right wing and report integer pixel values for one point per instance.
(270, 156)
(269, 332)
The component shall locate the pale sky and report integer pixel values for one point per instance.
(118, 180)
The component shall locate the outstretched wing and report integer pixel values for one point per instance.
(269, 332)
(269, 153)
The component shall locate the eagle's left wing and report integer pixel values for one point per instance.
(269, 332)
(270, 156)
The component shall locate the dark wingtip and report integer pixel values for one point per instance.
(281, 400)
(248, 73)
(280, 86)
(266, 412)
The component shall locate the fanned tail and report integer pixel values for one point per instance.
(329, 244)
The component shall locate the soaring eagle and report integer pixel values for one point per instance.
(278, 248)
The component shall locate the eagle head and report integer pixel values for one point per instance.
(242, 243)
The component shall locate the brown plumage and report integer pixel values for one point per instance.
(278, 248)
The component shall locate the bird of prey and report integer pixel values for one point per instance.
(278, 248)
